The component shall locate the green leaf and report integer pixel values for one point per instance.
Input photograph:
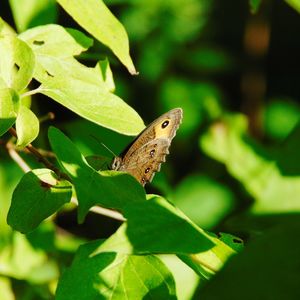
(269, 263)
(22, 261)
(295, 4)
(232, 241)
(280, 118)
(271, 178)
(208, 263)
(96, 18)
(17, 62)
(110, 189)
(113, 275)
(166, 230)
(30, 13)
(27, 126)
(79, 88)
(254, 5)
(6, 289)
(9, 101)
(186, 280)
(54, 44)
(106, 73)
(157, 217)
(38, 195)
(6, 29)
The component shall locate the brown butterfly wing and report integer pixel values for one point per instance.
(144, 156)
(147, 160)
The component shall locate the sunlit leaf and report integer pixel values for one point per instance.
(96, 18)
(27, 126)
(271, 178)
(186, 280)
(113, 275)
(106, 73)
(9, 101)
(38, 195)
(6, 289)
(79, 88)
(6, 29)
(17, 62)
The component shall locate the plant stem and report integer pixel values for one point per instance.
(41, 158)
(16, 157)
(103, 211)
(32, 92)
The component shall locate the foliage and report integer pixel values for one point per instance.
(232, 177)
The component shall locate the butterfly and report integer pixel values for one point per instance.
(143, 157)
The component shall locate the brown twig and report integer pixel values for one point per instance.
(16, 157)
(41, 158)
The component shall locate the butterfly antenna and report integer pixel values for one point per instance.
(108, 149)
(103, 145)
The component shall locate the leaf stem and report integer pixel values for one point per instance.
(31, 92)
(198, 261)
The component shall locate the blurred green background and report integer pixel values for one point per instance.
(234, 165)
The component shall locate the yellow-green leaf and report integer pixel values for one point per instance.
(96, 18)
(27, 126)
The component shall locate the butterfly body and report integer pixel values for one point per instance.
(143, 157)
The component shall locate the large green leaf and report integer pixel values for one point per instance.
(38, 195)
(96, 18)
(272, 178)
(110, 189)
(164, 229)
(17, 62)
(9, 101)
(86, 91)
(157, 226)
(113, 275)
